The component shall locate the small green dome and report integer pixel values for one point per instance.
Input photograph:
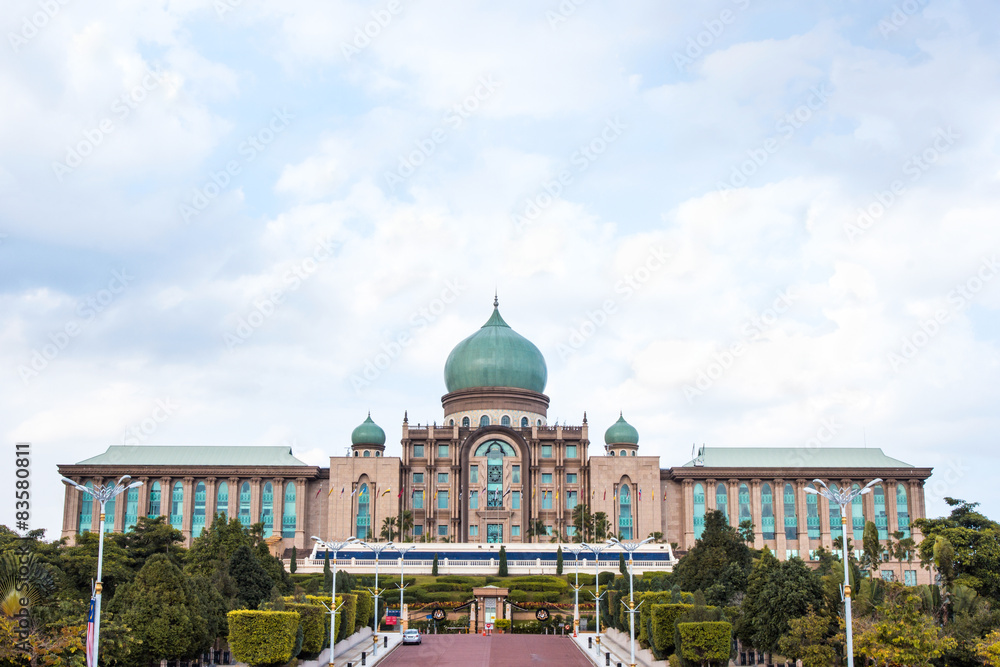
(495, 356)
(621, 433)
(368, 433)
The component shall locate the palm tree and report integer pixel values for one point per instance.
(536, 528)
(600, 526)
(583, 520)
(389, 528)
(407, 522)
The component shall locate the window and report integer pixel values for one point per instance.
(474, 530)
(699, 510)
(418, 478)
(857, 517)
(515, 500)
(109, 522)
(418, 530)
(625, 512)
(418, 501)
(570, 499)
(473, 500)
(515, 531)
(132, 508)
(611, 453)
(442, 478)
(571, 478)
(538, 422)
(154, 502)
(835, 527)
(364, 520)
(910, 577)
(570, 531)
(442, 500)
(633, 452)
(484, 421)
(546, 478)
(881, 519)
(418, 451)
(722, 501)
(621, 453)
(378, 453)
(451, 422)
(791, 521)
(474, 475)
(886, 575)
(267, 509)
(515, 473)
(812, 514)
(355, 452)
(442, 451)
(177, 506)
(443, 530)
(222, 501)
(546, 451)
(367, 453)
(87, 507)
(288, 518)
(902, 513)
(505, 421)
(571, 451)
(198, 518)
(546, 500)
(465, 421)
(744, 498)
(791, 553)
(524, 424)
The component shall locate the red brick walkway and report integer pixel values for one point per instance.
(494, 651)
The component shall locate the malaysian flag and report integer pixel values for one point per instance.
(90, 635)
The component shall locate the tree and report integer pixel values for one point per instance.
(406, 524)
(808, 640)
(621, 565)
(502, 572)
(293, 563)
(899, 635)
(327, 577)
(537, 528)
(988, 649)
(871, 550)
(719, 563)
(389, 532)
(600, 526)
(583, 521)
(213, 549)
(253, 585)
(434, 565)
(975, 541)
(746, 531)
(559, 561)
(153, 536)
(657, 536)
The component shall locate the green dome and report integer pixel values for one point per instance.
(368, 433)
(621, 433)
(495, 356)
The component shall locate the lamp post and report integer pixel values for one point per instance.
(102, 494)
(630, 547)
(376, 593)
(844, 498)
(597, 549)
(334, 547)
(576, 589)
(402, 558)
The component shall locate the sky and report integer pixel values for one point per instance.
(742, 223)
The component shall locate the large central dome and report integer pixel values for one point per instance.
(495, 356)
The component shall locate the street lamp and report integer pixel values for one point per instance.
(630, 547)
(844, 498)
(376, 593)
(576, 589)
(102, 494)
(597, 549)
(402, 559)
(334, 547)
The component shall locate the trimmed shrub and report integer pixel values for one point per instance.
(262, 637)
(605, 578)
(664, 617)
(456, 579)
(502, 567)
(444, 586)
(347, 619)
(545, 596)
(365, 608)
(518, 597)
(315, 627)
(503, 624)
(706, 642)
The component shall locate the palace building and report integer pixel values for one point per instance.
(495, 471)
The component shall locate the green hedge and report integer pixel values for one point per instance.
(664, 617)
(262, 637)
(347, 619)
(518, 597)
(707, 642)
(445, 586)
(315, 625)
(365, 608)
(467, 581)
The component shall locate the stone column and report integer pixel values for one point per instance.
(211, 497)
(278, 505)
(187, 509)
(143, 497)
(890, 506)
(234, 498)
(825, 538)
(166, 491)
(300, 512)
(778, 497)
(95, 510)
(757, 514)
(255, 498)
(710, 495)
(71, 510)
(121, 503)
(803, 518)
(687, 512)
(849, 513)
(869, 502)
(733, 494)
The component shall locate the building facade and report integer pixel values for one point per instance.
(495, 471)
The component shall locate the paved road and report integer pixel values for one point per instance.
(495, 651)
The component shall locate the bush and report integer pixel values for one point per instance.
(546, 596)
(314, 626)
(706, 642)
(518, 597)
(347, 619)
(365, 611)
(263, 637)
(605, 578)
(502, 569)
(664, 617)
(442, 586)
(456, 579)
(674, 660)
(585, 579)
(503, 624)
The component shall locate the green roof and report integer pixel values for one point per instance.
(621, 433)
(795, 457)
(495, 356)
(173, 455)
(368, 433)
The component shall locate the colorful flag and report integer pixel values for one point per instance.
(353, 491)
(386, 491)
(640, 494)
(320, 489)
(557, 496)
(90, 635)
(605, 494)
(342, 489)
(399, 495)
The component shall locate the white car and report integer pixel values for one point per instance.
(411, 636)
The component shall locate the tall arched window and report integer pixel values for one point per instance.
(524, 422)
(791, 520)
(625, 512)
(505, 421)
(465, 421)
(699, 511)
(222, 501)
(154, 500)
(267, 509)
(198, 518)
(857, 518)
(881, 518)
(131, 508)
(722, 500)
(766, 512)
(745, 512)
(245, 503)
(812, 513)
(834, 515)
(85, 521)
(484, 421)
(902, 511)
(367, 453)
(288, 517)
(177, 506)
(364, 520)
(109, 515)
